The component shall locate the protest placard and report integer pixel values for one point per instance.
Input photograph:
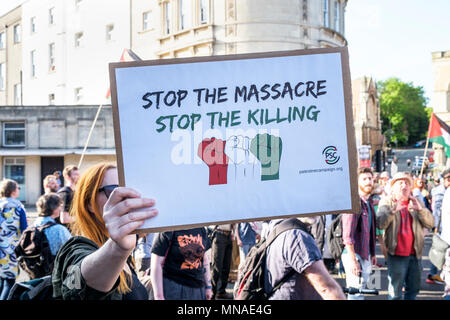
(224, 139)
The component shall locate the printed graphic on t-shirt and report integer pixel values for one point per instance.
(191, 247)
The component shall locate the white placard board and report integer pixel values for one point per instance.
(225, 139)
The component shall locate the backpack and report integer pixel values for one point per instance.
(36, 289)
(335, 241)
(250, 282)
(33, 251)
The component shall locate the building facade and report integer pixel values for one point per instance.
(441, 98)
(10, 57)
(38, 140)
(366, 115)
(66, 49)
(62, 49)
(186, 28)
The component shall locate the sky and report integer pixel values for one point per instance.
(395, 38)
(386, 38)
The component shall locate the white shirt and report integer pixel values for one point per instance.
(445, 217)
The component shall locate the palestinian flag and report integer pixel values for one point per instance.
(127, 55)
(439, 132)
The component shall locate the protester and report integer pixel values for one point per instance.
(317, 230)
(180, 269)
(420, 192)
(437, 196)
(50, 184)
(13, 222)
(246, 238)
(403, 218)
(49, 208)
(57, 174)
(71, 176)
(359, 237)
(445, 235)
(296, 250)
(221, 253)
(384, 182)
(142, 258)
(97, 263)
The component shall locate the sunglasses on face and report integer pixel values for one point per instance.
(107, 190)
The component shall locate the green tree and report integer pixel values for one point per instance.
(403, 111)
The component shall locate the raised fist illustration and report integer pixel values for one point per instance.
(211, 151)
(267, 149)
(240, 158)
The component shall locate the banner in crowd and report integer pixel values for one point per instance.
(225, 139)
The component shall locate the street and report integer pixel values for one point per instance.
(404, 154)
(380, 277)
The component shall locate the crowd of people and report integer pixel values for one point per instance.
(91, 222)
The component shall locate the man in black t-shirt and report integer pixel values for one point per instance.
(179, 265)
(71, 176)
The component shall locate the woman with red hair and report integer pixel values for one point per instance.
(96, 263)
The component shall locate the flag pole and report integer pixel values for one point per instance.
(426, 147)
(89, 136)
(423, 159)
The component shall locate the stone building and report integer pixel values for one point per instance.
(182, 28)
(37, 140)
(440, 101)
(366, 114)
(10, 57)
(62, 50)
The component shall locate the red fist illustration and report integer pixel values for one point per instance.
(211, 151)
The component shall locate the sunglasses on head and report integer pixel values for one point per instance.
(107, 190)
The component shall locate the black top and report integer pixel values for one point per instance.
(66, 194)
(138, 291)
(185, 250)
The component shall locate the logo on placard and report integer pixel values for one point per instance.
(330, 154)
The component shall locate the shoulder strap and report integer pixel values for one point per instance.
(292, 223)
(289, 224)
(45, 226)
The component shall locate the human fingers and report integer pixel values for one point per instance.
(121, 193)
(137, 215)
(130, 204)
(119, 232)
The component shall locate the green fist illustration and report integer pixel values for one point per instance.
(267, 149)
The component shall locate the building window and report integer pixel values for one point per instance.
(17, 94)
(146, 20)
(78, 94)
(14, 134)
(337, 16)
(167, 17)
(78, 39)
(51, 57)
(2, 40)
(109, 32)
(326, 13)
(2, 76)
(14, 169)
(184, 8)
(33, 63)
(51, 99)
(204, 11)
(17, 33)
(51, 16)
(33, 25)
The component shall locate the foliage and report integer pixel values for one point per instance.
(403, 112)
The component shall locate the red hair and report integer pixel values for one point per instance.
(88, 217)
